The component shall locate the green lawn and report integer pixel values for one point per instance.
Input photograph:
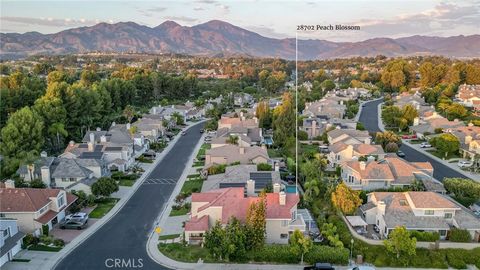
(103, 207)
(192, 186)
(198, 164)
(44, 248)
(126, 182)
(308, 147)
(168, 236)
(273, 153)
(197, 175)
(203, 149)
(182, 253)
(439, 155)
(180, 212)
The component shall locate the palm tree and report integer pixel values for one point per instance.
(58, 129)
(232, 140)
(312, 189)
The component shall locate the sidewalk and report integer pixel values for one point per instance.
(51, 262)
(417, 148)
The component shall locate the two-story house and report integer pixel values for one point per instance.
(33, 208)
(10, 240)
(385, 173)
(341, 152)
(229, 154)
(222, 204)
(420, 211)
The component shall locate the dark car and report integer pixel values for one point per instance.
(400, 154)
(376, 228)
(78, 224)
(319, 266)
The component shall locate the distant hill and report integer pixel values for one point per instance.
(221, 38)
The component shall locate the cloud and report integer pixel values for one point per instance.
(198, 8)
(181, 19)
(151, 12)
(51, 22)
(266, 31)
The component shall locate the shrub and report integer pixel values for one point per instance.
(46, 240)
(29, 239)
(458, 235)
(45, 229)
(327, 254)
(216, 169)
(117, 175)
(391, 147)
(264, 167)
(59, 242)
(425, 236)
(302, 135)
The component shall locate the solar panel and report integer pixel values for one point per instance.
(82, 146)
(262, 179)
(98, 148)
(113, 148)
(95, 155)
(228, 185)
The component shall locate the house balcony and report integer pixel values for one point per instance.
(297, 224)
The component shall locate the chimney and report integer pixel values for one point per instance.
(468, 139)
(92, 138)
(264, 147)
(71, 143)
(370, 158)
(368, 140)
(363, 165)
(242, 150)
(90, 147)
(416, 121)
(255, 119)
(103, 139)
(154, 110)
(99, 129)
(276, 167)
(250, 187)
(282, 198)
(128, 126)
(470, 124)
(46, 178)
(455, 120)
(9, 183)
(381, 207)
(43, 154)
(113, 124)
(276, 188)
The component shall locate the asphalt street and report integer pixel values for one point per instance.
(121, 242)
(369, 118)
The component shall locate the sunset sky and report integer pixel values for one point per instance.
(277, 19)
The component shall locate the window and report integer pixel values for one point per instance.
(283, 236)
(73, 179)
(284, 223)
(61, 201)
(43, 209)
(64, 179)
(429, 212)
(5, 232)
(294, 215)
(448, 215)
(443, 232)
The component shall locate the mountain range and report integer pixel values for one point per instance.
(219, 38)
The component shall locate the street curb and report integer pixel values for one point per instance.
(382, 128)
(357, 116)
(91, 230)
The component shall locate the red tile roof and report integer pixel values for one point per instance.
(47, 217)
(25, 199)
(197, 224)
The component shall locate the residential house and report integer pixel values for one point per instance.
(243, 100)
(223, 204)
(33, 171)
(242, 121)
(246, 136)
(239, 175)
(417, 101)
(318, 125)
(229, 154)
(432, 125)
(348, 136)
(469, 96)
(341, 152)
(419, 211)
(386, 173)
(328, 107)
(469, 137)
(10, 240)
(33, 208)
(150, 127)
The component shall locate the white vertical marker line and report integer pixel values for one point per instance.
(296, 111)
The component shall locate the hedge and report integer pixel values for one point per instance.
(283, 254)
(458, 235)
(425, 236)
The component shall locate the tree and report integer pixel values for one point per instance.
(328, 85)
(446, 144)
(264, 115)
(23, 134)
(37, 183)
(312, 189)
(462, 188)
(456, 111)
(346, 199)
(300, 244)
(256, 222)
(216, 241)
(232, 139)
(391, 147)
(129, 113)
(384, 138)
(236, 239)
(104, 187)
(179, 120)
(391, 115)
(284, 120)
(400, 243)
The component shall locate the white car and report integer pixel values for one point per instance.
(425, 145)
(78, 215)
(464, 164)
(361, 267)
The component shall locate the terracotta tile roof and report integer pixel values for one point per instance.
(234, 203)
(373, 170)
(197, 224)
(47, 217)
(25, 199)
(368, 149)
(430, 200)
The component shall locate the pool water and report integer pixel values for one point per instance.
(291, 189)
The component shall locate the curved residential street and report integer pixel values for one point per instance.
(124, 236)
(369, 117)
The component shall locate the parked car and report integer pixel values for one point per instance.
(184, 132)
(406, 137)
(78, 224)
(464, 164)
(376, 229)
(78, 215)
(400, 154)
(425, 145)
(201, 130)
(319, 266)
(323, 149)
(360, 267)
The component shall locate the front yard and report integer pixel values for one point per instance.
(103, 207)
(203, 149)
(442, 156)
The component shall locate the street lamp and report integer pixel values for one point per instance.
(351, 250)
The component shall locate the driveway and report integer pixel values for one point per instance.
(369, 118)
(124, 236)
